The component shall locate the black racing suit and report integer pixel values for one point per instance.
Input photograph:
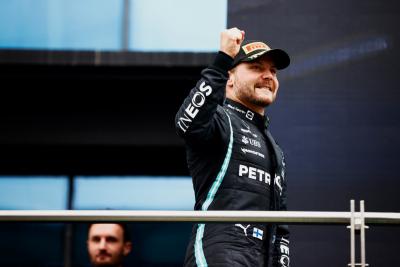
(235, 165)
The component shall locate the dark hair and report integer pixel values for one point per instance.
(124, 226)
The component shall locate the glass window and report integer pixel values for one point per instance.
(22, 239)
(154, 25)
(61, 24)
(177, 25)
(134, 192)
(33, 192)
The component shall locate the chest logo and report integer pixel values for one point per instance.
(245, 151)
(247, 130)
(249, 115)
(246, 140)
(254, 174)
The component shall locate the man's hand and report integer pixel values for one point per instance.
(231, 39)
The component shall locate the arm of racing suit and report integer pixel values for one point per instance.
(280, 253)
(194, 120)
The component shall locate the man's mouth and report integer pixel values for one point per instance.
(103, 256)
(264, 88)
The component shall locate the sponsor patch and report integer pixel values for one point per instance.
(244, 228)
(236, 109)
(245, 151)
(249, 115)
(247, 140)
(247, 130)
(191, 110)
(254, 174)
(254, 46)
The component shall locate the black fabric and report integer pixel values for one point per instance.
(254, 178)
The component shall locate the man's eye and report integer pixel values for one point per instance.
(111, 239)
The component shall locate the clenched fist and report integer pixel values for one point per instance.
(230, 42)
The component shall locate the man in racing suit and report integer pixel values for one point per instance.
(233, 159)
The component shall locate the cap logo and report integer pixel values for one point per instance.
(254, 46)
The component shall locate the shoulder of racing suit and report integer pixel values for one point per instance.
(197, 117)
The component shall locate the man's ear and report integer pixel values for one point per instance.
(127, 248)
(231, 79)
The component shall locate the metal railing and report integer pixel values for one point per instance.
(356, 221)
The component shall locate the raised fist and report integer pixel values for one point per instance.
(230, 42)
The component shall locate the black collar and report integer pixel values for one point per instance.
(247, 114)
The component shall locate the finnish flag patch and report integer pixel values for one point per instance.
(258, 233)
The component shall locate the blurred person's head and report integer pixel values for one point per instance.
(108, 244)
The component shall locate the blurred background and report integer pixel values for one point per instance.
(90, 88)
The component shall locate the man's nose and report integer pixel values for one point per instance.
(103, 243)
(267, 75)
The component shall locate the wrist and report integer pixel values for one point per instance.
(222, 62)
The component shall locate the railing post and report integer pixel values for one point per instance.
(362, 234)
(357, 223)
(352, 235)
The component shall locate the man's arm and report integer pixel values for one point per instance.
(194, 118)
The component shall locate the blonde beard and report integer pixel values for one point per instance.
(246, 94)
